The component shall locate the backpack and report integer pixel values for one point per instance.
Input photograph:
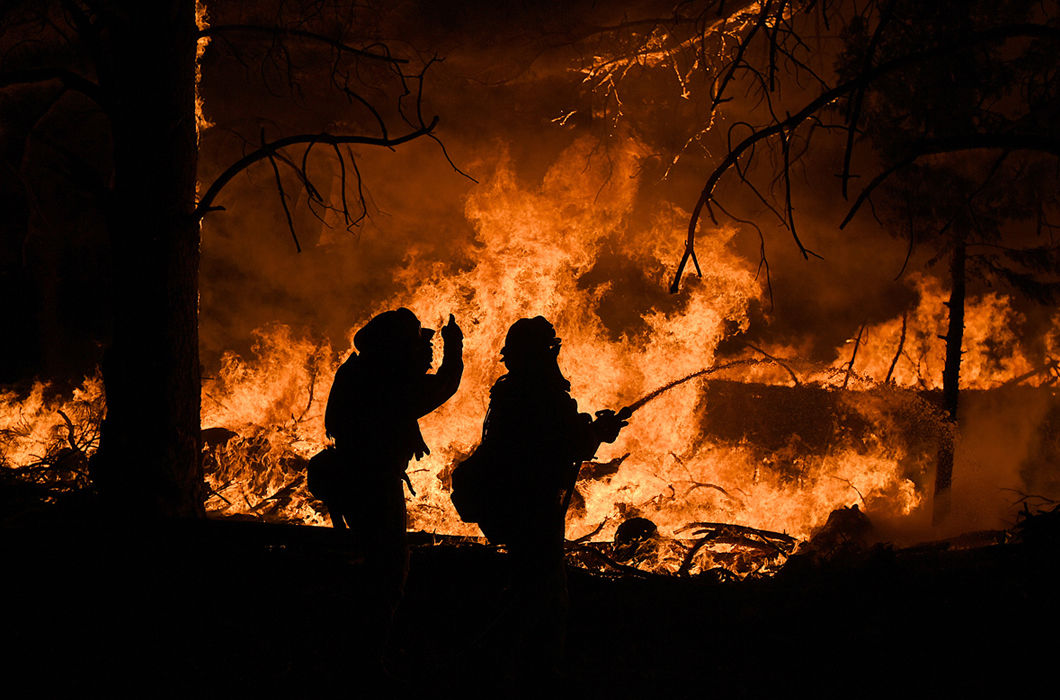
(473, 487)
(482, 495)
(324, 473)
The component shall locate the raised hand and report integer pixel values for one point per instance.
(451, 332)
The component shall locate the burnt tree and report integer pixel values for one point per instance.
(134, 64)
(150, 448)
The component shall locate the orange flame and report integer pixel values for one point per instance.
(536, 250)
(535, 246)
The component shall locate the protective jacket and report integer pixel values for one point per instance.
(373, 411)
(533, 441)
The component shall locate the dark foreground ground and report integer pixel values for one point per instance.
(208, 609)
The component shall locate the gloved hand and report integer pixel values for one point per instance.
(451, 333)
(608, 424)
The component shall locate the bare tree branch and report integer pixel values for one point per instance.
(968, 142)
(898, 352)
(787, 126)
(854, 113)
(853, 356)
(268, 150)
(283, 197)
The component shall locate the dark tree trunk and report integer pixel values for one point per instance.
(950, 380)
(149, 460)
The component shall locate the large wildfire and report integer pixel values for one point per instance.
(739, 450)
(690, 461)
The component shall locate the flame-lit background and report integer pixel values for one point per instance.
(576, 213)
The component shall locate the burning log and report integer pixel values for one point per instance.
(846, 530)
(773, 545)
(280, 498)
(722, 551)
(747, 536)
(595, 558)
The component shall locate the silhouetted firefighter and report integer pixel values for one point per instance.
(517, 485)
(379, 394)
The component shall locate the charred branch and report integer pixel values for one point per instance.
(700, 485)
(269, 151)
(70, 430)
(1040, 143)
(783, 129)
(853, 356)
(763, 261)
(616, 566)
(898, 352)
(589, 535)
(774, 543)
(854, 112)
(1049, 367)
(912, 239)
(282, 495)
(765, 14)
(309, 402)
(850, 483)
(283, 199)
(347, 80)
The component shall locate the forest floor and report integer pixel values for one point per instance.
(216, 608)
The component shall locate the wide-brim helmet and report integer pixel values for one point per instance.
(391, 331)
(530, 337)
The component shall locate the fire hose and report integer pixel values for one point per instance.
(626, 412)
(639, 403)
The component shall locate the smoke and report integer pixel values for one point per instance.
(994, 466)
(552, 166)
(579, 215)
(512, 83)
